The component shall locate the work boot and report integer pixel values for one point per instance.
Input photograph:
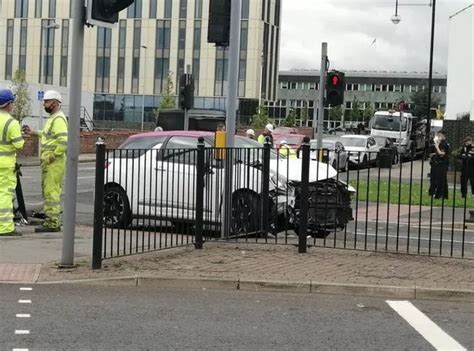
(43, 229)
(13, 233)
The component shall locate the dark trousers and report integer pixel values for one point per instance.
(439, 180)
(467, 175)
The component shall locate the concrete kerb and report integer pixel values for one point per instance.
(278, 286)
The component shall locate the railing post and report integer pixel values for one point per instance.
(98, 205)
(266, 188)
(199, 193)
(304, 202)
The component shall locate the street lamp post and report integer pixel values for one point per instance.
(396, 19)
(42, 77)
(143, 89)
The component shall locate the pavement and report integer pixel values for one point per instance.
(33, 258)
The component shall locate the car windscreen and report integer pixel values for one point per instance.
(390, 123)
(257, 152)
(135, 147)
(354, 142)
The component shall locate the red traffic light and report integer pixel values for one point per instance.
(335, 81)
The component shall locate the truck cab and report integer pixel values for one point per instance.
(406, 131)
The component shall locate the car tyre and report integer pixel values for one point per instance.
(245, 212)
(117, 213)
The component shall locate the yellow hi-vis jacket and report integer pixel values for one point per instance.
(10, 140)
(287, 151)
(54, 136)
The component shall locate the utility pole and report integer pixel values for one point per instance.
(322, 85)
(232, 91)
(75, 93)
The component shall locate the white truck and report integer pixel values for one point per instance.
(407, 132)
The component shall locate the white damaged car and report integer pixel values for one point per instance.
(153, 176)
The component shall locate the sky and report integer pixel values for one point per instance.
(361, 36)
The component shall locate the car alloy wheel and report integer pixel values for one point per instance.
(117, 212)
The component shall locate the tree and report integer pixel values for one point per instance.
(168, 100)
(22, 103)
(369, 112)
(260, 118)
(335, 113)
(290, 120)
(420, 101)
(356, 114)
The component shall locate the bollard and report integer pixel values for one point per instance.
(199, 194)
(304, 202)
(98, 206)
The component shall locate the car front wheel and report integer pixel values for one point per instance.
(117, 212)
(245, 212)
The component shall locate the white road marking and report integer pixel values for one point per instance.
(425, 326)
(20, 350)
(90, 177)
(26, 289)
(24, 301)
(23, 315)
(21, 332)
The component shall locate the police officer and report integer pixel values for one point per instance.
(467, 169)
(10, 141)
(439, 167)
(53, 160)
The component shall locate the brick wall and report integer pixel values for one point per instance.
(87, 140)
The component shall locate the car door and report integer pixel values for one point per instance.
(178, 169)
(372, 148)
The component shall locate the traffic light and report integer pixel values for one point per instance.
(335, 88)
(219, 22)
(104, 13)
(186, 91)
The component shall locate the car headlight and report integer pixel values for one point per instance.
(279, 182)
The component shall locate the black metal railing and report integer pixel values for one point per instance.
(158, 198)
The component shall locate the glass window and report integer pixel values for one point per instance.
(245, 9)
(283, 85)
(153, 8)
(198, 9)
(183, 8)
(52, 9)
(180, 149)
(168, 8)
(135, 9)
(38, 8)
(21, 8)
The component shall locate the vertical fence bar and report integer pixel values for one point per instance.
(98, 206)
(199, 194)
(304, 202)
(266, 189)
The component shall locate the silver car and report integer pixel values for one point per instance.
(338, 156)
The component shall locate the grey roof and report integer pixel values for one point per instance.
(366, 74)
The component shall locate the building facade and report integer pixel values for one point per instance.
(128, 65)
(299, 92)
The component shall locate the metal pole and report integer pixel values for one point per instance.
(75, 93)
(232, 90)
(304, 201)
(143, 91)
(186, 111)
(322, 85)
(430, 77)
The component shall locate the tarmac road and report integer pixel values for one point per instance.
(70, 317)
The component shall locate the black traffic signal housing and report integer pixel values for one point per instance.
(335, 86)
(105, 12)
(186, 91)
(219, 22)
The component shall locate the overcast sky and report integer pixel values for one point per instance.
(351, 26)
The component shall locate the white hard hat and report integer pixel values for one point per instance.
(283, 142)
(53, 95)
(250, 132)
(269, 127)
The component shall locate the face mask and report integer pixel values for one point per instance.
(48, 109)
